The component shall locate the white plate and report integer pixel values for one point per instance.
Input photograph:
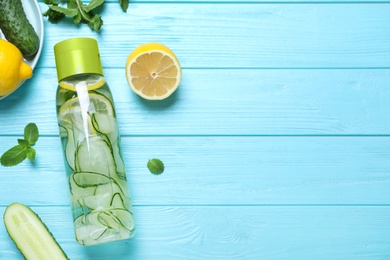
(34, 16)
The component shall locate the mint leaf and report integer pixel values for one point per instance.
(50, 2)
(155, 166)
(124, 5)
(53, 16)
(96, 23)
(31, 153)
(23, 150)
(92, 5)
(79, 12)
(72, 4)
(66, 11)
(31, 133)
(14, 156)
(23, 143)
(77, 18)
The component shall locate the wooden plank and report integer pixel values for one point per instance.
(233, 233)
(223, 171)
(237, 35)
(228, 102)
(280, 2)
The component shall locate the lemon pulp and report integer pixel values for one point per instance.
(153, 71)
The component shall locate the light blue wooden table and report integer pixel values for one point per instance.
(276, 144)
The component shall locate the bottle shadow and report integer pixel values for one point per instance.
(117, 250)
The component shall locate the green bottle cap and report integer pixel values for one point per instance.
(77, 56)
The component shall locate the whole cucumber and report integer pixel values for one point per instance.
(17, 28)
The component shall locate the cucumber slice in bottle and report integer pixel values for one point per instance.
(117, 201)
(124, 217)
(70, 149)
(97, 202)
(86, 232)
(30, 234)
(74, 138)
(110, 221)
(120, 165)
(103, 196)
(63, 132)
(77, 189)
(102, 226)
(106, 124)
(120, 201)
(94, 155)
(83, 189)
(90, 179)
(69, 146)
(95, 191)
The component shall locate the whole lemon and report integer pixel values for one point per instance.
(13, 69)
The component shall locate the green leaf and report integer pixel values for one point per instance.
(19, 152)
(14, 156)
(50, 2)
(155, 166)
(23, 143)
(31, 154)
(96, 23)
(66, 11)
(92, 5)
(77, 18)
(80, 12)
(72, 4)
(31, 133)
(124, 5)
(53, 16)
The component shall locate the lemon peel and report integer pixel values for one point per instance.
(13, 69)
(93, 82)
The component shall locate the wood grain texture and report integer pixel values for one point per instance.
(280, 2)
(276, 144)
(224, 171)
(228, 102)
(233, 233)
(242, 35)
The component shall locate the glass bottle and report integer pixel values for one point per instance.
(100, 199)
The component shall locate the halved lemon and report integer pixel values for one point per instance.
(153, 71)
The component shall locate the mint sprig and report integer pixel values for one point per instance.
(155, 166)
(78, 11)
(31, 133)
(23, 149)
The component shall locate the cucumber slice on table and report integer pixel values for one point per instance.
(30, 234)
